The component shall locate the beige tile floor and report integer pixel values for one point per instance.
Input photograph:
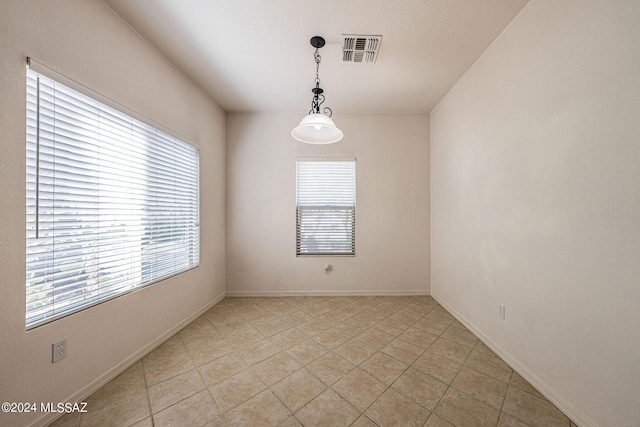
(320, 361)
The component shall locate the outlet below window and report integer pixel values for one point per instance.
(59, 350)
(501, 311)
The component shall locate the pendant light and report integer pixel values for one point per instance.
(317, 127)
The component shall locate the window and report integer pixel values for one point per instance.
(112, 203)
(325, 207)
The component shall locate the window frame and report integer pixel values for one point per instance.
(350, 210)
(155, 241)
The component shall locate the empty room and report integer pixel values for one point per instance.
(320, 213)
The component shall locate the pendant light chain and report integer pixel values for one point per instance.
(318, 58)
(318, 97)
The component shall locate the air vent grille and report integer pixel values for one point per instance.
(360, 48)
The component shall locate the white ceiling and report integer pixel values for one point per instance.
(255, 55)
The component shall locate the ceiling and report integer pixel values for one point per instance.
(255, 55)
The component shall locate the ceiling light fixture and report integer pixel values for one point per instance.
(316, 127)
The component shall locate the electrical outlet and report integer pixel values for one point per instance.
(59, 350)
(501, 311)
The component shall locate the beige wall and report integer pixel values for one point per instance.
(85, 41)
(535, 172)
(392, 213)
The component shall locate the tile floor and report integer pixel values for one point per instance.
(320, 361)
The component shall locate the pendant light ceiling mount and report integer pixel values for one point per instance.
(317, 127)
(317, 42)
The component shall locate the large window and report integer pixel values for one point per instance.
(112, 203)
(325, 207)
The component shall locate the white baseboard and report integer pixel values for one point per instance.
(128, 362)
(345, 293)
(565, 406)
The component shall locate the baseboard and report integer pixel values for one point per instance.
(345, 293)
(565, 406)
(124, 365)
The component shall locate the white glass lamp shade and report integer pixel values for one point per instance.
(317, 129)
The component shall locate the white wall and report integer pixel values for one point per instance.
(535, 174)
(87, 42)
(392, 212)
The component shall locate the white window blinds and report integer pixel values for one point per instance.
(112, 203)
(325, 206)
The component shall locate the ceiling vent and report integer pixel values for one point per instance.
(359, 48)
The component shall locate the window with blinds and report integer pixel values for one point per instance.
(112, 203)
(325, 207)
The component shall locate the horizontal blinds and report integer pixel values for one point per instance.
(325, 207)
(112, 203)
